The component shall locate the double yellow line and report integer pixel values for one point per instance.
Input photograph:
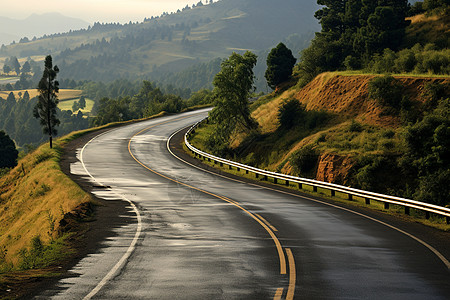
(263, 222)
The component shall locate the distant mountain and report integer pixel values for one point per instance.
(37, 25)
(173, 43)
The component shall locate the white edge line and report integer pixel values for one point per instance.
(132, 246)
(431, 248)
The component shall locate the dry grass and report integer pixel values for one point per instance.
(64, 94)
(33, 199)
(35, 195)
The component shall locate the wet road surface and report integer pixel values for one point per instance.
(194, 235)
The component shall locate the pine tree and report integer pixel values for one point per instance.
(45, 109)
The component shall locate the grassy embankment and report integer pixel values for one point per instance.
(341, 124)
(34, 198)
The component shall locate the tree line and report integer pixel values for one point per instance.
(361, 34)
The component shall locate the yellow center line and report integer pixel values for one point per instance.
(292, 276)
(278, 294)
(272, 235)
(267, 222)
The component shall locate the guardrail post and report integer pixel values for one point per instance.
(287, 182)
(215, 162)
(350, 197)
(315, 189)
(275, 180)
(427, 215)
(386, 205)
(407, 210)
(367, 201)
(221, 164)
(333, 193)
(230, 167)
(238, 169)
(265, 177)
(257, 175)
(246, 171)
(300, 186)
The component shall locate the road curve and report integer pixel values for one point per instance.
(194, 235)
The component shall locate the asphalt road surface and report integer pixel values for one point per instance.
(195, 235)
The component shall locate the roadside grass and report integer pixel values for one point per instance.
(34, 197)
(435, 221)
(67, 105)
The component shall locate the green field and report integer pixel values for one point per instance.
(67, 105)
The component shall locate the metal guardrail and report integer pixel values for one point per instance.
(333, 188)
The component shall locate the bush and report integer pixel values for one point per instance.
(304, 160)
(290, 113)
(387, 91)
(352, 63)
(355, 126)
(406, 61)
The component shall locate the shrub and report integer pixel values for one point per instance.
(290, 113)
(352, 63)
(387, 91)
(355, 126)
(304, 160)
(406, 61)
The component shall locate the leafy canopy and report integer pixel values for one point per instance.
(232, 87)
(8, 151)
(280, 63)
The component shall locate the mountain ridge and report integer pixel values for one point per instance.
(37, 25)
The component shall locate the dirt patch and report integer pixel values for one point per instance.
(349, 96)
(334, 168)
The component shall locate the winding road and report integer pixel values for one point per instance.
(191, 234)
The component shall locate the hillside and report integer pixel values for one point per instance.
(341, 134)
(39, 206)
(174, 42)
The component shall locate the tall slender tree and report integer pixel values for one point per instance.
(45, 109)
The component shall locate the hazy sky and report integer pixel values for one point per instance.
(121, 11)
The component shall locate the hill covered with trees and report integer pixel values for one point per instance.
(171, 43)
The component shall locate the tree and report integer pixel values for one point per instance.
(26, 68)
(26, 96)
(75, 106)
(45, 109)
(280, 63)
(6, 69)
(232, 86)
(290, 113)
(82, 102)
(8, 151)
(14, 62)
(11, 99)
